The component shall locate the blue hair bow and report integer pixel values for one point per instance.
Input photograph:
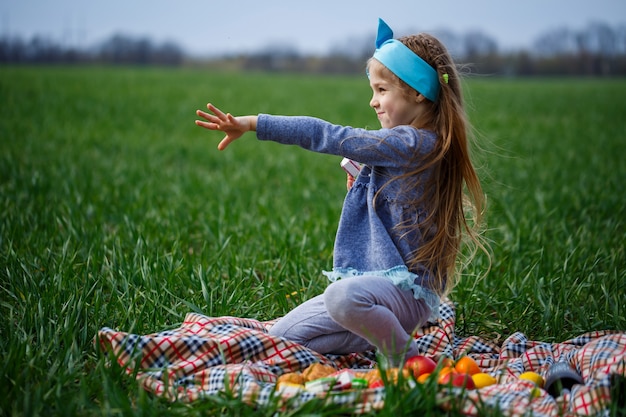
(405, 64)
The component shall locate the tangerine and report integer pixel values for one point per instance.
(423, 378)
(467, 365)
(442, 377)
(446, 362)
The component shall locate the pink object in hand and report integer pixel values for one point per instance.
(351, 167)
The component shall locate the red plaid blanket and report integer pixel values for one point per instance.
(207, 355)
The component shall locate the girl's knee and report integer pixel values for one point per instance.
(340, 302)
(278, 329)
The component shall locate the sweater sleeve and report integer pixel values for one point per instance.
(373, 147)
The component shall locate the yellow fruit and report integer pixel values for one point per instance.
(482, 380)
(535, 393)
(532, 377)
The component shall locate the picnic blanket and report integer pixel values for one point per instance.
(207, 355)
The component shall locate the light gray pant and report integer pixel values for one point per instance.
(355, 315)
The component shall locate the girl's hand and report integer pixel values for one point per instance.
(234, 127)
(349, 181)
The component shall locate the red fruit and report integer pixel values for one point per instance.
(376, 384)
(458, 380)
(443, 376)
(464, 381)
(419, 365)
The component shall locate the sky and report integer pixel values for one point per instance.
(209, 27)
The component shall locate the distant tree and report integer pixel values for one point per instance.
(169, 53)
(478, 44)
(600, 43)
(560, 41)
(524, 64)
(41, 50)
(275, 57)
(11, 50)
(354, 47)
(620, 32)
(595, 50)
(600, 38)
(454, 43)
(123, 49)
(481, 51)
(620, 59)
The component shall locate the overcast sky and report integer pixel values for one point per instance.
(206, 27)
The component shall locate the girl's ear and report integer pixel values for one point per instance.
(419, 98)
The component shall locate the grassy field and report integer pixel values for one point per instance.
(116, 210)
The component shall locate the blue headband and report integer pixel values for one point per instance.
(405, 64)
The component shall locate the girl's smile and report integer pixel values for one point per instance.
(392, 105)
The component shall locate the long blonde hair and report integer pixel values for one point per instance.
(452, 198)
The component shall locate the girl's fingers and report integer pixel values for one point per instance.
(220, 119)
(220, 115)
(215, 117)
(207, 116)
(202, 124)
(224, 143)
(349, 181)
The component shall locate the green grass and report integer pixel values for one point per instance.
(555, 184)
(116, 210)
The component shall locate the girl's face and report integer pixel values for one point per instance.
(392, 105)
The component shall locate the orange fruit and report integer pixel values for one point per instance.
(446, 362)
(422, 378)
(467, 365)
(443, 372)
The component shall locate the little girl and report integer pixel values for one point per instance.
(404, 215)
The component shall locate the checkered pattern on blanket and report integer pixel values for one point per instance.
(207, 355)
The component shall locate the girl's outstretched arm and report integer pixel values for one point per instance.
(234, 127)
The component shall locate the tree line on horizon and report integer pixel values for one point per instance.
(596, 50)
